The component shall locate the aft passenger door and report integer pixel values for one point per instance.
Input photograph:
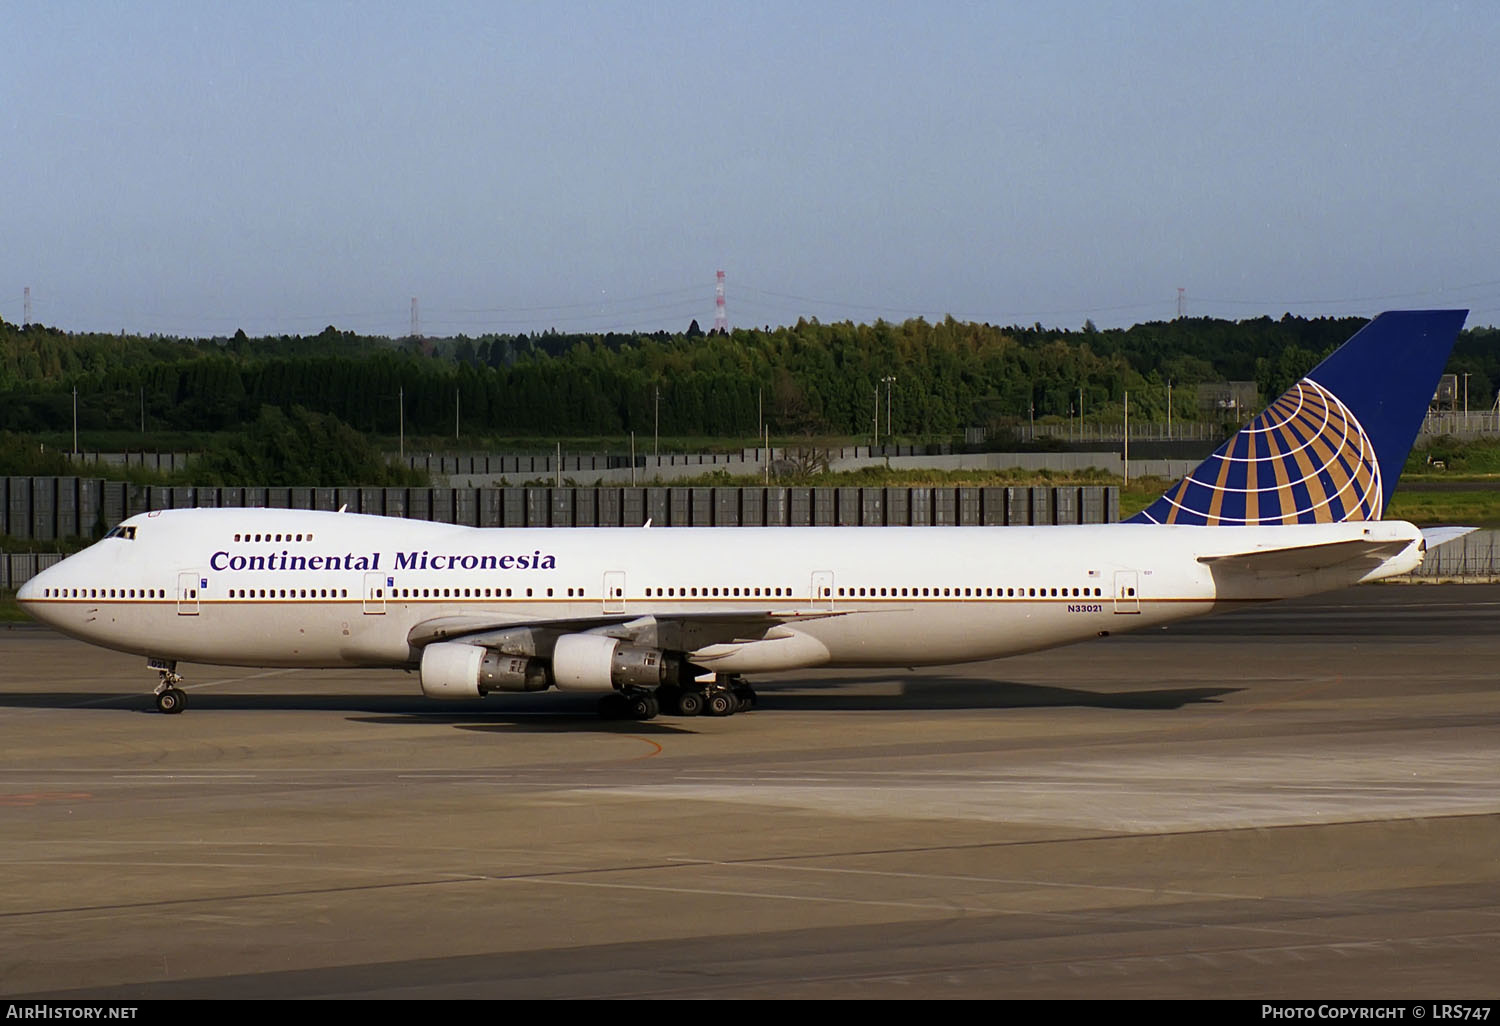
(1127, 591)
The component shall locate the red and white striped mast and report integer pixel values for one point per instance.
(721, 319)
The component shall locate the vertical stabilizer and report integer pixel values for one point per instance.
(1331, 449)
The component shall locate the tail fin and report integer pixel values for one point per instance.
(1332, 448)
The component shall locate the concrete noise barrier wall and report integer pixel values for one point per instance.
(53, 508)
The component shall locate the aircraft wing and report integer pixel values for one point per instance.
(670, 630)
(1305, 559)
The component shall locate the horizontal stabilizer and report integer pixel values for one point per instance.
(1306, 559)
(1435, 536)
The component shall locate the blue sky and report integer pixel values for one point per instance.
(195, 168)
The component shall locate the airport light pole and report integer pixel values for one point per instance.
(890, 383)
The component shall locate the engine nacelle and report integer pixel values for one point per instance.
(592, 662)
(453, 670)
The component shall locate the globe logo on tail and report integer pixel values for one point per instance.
(1304, 460)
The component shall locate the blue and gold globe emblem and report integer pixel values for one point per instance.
(1304, 460)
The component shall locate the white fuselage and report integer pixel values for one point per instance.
(271, 587)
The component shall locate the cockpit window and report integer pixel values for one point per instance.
(126, 531)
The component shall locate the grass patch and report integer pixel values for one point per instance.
(10, 609)
(1446, 456)
(1428, 508)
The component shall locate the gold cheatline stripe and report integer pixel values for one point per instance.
(1216, 500)
(1315, 491)
(1284, 501)
(1335, 462)
(1323, 447)
(1175, 507)
(1252, 499)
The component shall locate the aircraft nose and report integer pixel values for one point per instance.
(29, 596)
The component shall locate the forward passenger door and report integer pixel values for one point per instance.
(187, 593)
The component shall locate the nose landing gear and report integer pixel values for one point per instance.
(169, 697)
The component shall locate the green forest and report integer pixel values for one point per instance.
(807, 379)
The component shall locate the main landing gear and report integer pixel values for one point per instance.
(169, 697)
(725, 695)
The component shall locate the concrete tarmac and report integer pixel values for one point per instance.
(1299, 801)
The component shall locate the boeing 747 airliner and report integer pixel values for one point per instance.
(671, 619)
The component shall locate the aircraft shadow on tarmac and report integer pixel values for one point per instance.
(551, 711)
(936, 693)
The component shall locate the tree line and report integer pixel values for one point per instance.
(801, 379)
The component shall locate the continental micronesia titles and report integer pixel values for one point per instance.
(423, 560)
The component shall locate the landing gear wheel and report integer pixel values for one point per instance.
(642, 707)
(721, 703)
(690, 703)
(169, 697)
(746, 695)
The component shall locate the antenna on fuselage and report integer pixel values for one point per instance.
(344, 508)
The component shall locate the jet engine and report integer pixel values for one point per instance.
(592, 662)
(454, 670)
(580, 662)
